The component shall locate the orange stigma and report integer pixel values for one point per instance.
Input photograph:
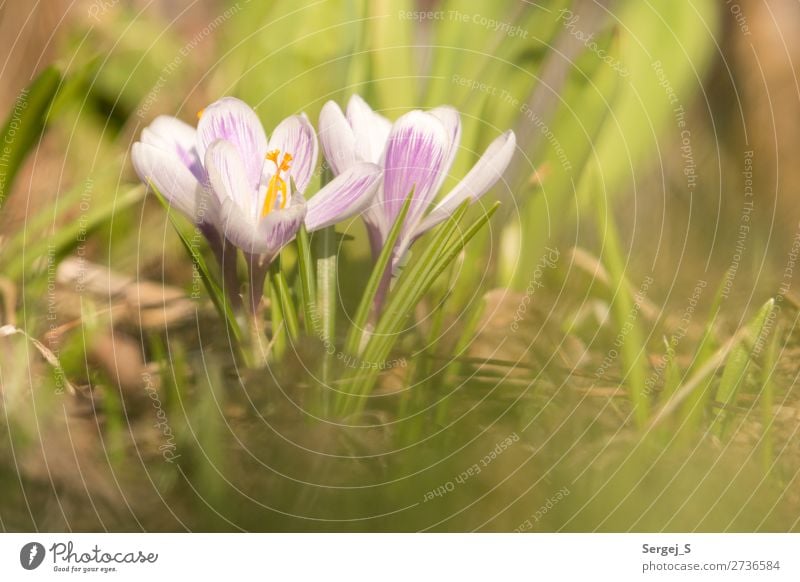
(277, 185)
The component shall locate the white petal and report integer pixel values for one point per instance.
(295, 135)
(267, 236)
(226, 173)
(177, 138)
(343, 197)
(234, 121)
(172, 179)
(415, 155)
(338, 140)
(483, 175)
(451, 121)
(173, 130)
(371, 129)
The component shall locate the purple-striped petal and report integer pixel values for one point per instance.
(234, 121)
(416, 152)
(166, 132)
(173, 135)
(338, 140)
(347, 195)
(295, 135)
(371, 130)
(451, 121)
(173, 180)
(483, 175)
(226, 173)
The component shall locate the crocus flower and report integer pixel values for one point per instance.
(228, 176)
(416, 152)
(167, 156)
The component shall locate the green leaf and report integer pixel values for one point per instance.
(25, 125)
(736, 367)
(70, 235)
(307, 282)
(214, 291)
(325, 305)
(368, 298)
(285, 297)
(633, 350)
(766, 400)
(411, 287)
(691, 412)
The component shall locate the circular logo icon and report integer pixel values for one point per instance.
(31, 555)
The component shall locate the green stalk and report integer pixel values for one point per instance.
(307, 283)
(276, 314)
(354, 336)
(734, 374)
(632, 350)
(287, 305)
(767, 400)
(325, 243)
(413, 284)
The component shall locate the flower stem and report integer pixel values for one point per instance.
(326, 290)
(287, 305)
(257, 272)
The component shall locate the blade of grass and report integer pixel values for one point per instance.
(287, 305)
(412, 286)
(736, 368)
(70, 235)
(412, 275)
(307, 282)
(25, 125)
(692, 411)
(325, 304)
(356, 332)
(632, 351)
(214, 291)
(767, 399)
(279, 325)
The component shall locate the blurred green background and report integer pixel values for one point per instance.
(651, 201)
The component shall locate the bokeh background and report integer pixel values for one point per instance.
(652, 200)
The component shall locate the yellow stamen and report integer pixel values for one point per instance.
(200, 113)
(277, 185)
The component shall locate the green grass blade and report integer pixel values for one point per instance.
(633, 350)
(410, 289)
(72, 234)
(325, 304)
(766, 401)
(307, 282)
(285, 297)
(736, 367)
(214, 291)
(691, 412)
(356, 332)
(25, 125)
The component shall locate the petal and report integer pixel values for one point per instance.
(234, 121)
(174, 131)
(483, 175)
(343, 197)
(266, 237)
(338, 140)
(371, 130)
(415, 156)
(295, 135)
(451, 121)
(226, 173)
(172, 179)
(179, 138)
